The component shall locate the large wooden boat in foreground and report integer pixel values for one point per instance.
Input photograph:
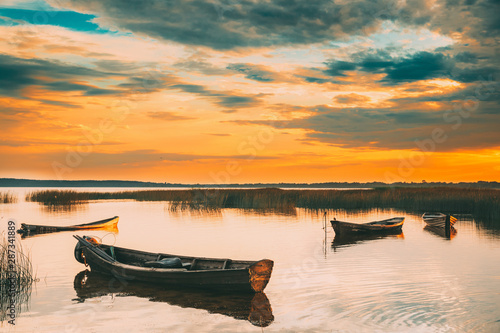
(27, 229)
(174, 270)
(439, 220)
(392, 225)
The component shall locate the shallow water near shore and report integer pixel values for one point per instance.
(418, 281)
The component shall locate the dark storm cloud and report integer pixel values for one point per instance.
(419, 66)
(252, 72)
(466, 57)
(338, 68)
(17, 74)
(228, 24)
(393, 128)
(474, 19)
(374, 61)
(224, 24)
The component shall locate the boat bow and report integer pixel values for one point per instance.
(260, 273)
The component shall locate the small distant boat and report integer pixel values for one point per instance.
(438, 220)
(41, 229)
(174, 270)
(393, 225)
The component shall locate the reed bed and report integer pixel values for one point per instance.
(21, 276)
(7, 197)
(485, 202)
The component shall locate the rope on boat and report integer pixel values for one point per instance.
(109, 233)
(101, 238)
(96, 238)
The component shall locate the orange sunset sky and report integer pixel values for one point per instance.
(250, 91)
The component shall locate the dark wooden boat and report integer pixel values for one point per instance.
(40, 229)
(439, 220)
(393, 225)
(242, 306)
(174, 270)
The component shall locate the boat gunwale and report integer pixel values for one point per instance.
(248, 263)
(435, 219)
(28, 227)
(398, 221)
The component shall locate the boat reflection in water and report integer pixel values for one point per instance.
(345, 240)
(447, 233)
(244, 306)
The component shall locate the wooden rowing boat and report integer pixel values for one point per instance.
(242, 306)
(393, 225)
(438, 220)
(174, 270)
(40, 229)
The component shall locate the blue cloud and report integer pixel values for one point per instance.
(66, 19)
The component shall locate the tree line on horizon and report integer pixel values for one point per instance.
(14, 182)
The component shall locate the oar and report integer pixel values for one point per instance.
(95, 249)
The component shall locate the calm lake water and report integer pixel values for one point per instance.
(418, 281)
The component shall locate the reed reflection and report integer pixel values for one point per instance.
(252, 307)
(491, 224)
(64, 208)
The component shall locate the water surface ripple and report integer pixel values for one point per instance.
(418, 281)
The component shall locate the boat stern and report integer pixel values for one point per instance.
(335, 226)
(260, 273)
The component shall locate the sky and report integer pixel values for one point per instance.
(250, 91)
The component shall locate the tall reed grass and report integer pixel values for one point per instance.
(7, 197)
(485, 202)
(21, 276)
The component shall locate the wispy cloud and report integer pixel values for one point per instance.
(168, 116)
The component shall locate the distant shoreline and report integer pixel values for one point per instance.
(14, 182)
